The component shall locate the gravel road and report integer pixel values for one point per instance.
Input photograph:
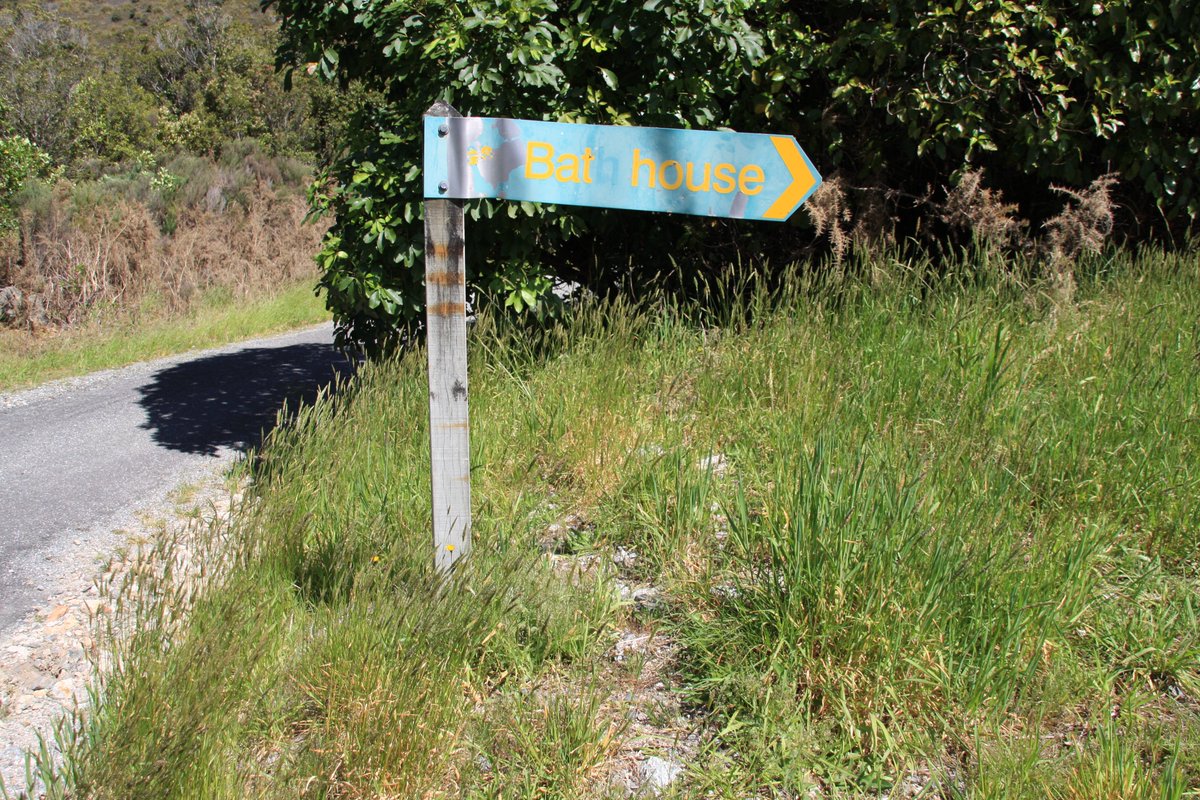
(81, 458)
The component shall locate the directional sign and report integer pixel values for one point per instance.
(710, 173)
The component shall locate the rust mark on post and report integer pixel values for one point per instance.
(445, 278)
(447, 309)
(444, 251)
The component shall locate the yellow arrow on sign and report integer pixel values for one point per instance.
(803, 179)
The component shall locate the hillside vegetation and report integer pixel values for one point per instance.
(151, 164)
(113, 25)
(882, 530)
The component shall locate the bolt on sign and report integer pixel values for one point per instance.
(708, 173)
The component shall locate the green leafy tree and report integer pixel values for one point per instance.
(112, 118)
(896, 97)
(656, 63)
(213, 75)
(42, 58)
(911, 93)
(21, 161)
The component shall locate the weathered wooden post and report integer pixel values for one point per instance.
(446, 328)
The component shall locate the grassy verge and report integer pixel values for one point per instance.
(883, 536)
(27, 359)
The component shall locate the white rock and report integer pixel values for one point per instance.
(656, 774)
(623, 557)
(28, 676)
(628, 644)
(717, 463)
(725, 591)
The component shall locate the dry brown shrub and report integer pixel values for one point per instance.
(1083, 226)
(248, 251)
(69, 262)
(1086, 221)
(831, 215)
(875, 226)
(972, 207)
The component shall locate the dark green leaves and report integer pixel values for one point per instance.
(897, 97)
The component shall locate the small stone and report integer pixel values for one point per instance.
(1176, 692)
(648, 598)
(656, 774)
(622, 783)
(579, 523)
(624, 557)
(19, 652)
(913, 785)
(554, 540)
(717, 464)
(628, 644)
(29, 677)
(725, 591)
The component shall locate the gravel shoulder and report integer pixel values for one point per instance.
(49, 660)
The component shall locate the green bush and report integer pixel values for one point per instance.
(112, 119)
(908, 93)
(44, 59)
(21, 163)
(894, 97)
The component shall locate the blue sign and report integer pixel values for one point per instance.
(709, 173)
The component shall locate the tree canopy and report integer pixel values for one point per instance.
(898, 100)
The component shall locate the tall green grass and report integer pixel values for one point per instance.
(912, 533)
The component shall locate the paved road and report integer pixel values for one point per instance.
(79, 458)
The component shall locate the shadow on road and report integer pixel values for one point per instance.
(231, 399)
